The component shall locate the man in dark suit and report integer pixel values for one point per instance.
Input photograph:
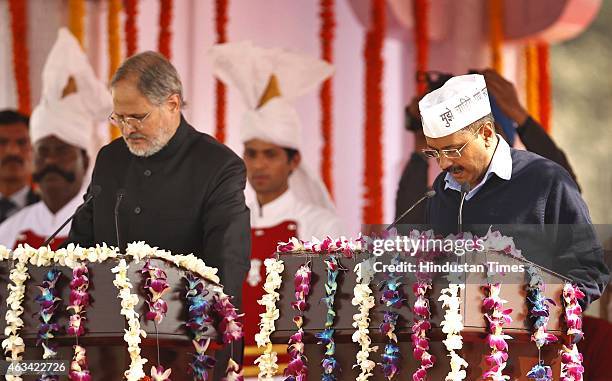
(174, 187)
(15, 164)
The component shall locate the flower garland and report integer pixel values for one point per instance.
(114, 49)
(452, 326)
(373, 165)
(326, 34)
(539, 314)
(297, 368)
(496, 37)
(326, 337)
(267, 361)
(198, 309)
(134, 333)
(364, 301)
(221, 17)
(19, 28)
(131, 27)
(421, 39)
(496, 317)
(544, 85)
(79, 370)
(531, 80)
(571, 359)
(76, 19)
(391, 296)
(420, 341)
(346, 247)
(165, 33)
(49, 301)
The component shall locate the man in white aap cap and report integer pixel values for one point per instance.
(62, 129)
(502, 185)
(291, 199)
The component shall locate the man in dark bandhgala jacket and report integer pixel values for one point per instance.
(503, 186)
(182, 190)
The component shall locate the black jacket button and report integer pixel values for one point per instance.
(137, 210)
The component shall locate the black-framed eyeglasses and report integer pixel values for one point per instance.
(128, 121)
(452, 153)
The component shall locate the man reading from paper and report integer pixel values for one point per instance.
(61, 130)
(502, 185)
(290, 200)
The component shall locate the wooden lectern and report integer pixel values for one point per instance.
(103, 339)
(523, 354)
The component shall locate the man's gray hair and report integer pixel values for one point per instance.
(475, 126)
(155, 76)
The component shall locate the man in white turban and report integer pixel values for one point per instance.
(61, 130)
(291, 200)
(523, 194)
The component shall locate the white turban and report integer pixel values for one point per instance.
(462, 100)
(71, 118)
(249, 69)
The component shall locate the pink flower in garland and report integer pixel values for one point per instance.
(78, 367)
(497, 317)
(571, 359)
(297, 369)
(229, 319)
(420, 341)
(158, 373)
(155, 286)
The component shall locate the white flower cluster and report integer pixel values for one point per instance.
(133, 334)
(452, 326)
(268, 360)
(364, 301)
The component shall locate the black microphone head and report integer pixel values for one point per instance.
(465, 188)
(95, 190)
(430, 194)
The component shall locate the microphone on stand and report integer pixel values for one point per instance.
(120, 196)
(95, 191)
(465, 189)
(428, 194)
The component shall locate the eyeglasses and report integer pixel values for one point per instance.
(453, 153)
(133, 122)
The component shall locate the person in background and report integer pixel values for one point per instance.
(61, 130)
(15, 164)
(290, 200)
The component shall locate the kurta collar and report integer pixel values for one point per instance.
(180, 136)
(277, 206)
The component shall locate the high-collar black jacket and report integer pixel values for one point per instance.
(187, 198)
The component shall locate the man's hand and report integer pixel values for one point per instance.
(505, 96)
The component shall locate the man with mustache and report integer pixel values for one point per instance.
(290, 201)
(15, 164)
(61, 131)
(504, 186)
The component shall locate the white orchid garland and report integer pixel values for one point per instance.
(452, 325)
(364, 300)
(267, 361)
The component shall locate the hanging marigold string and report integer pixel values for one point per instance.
(19, 27)
(114, 48)
(165, 21)
(531, 81)
(496, 34)
(544, 85)
(76, 19)
(421, 33)
(326, 33)
(373, 166)
(131, 27)
(220, 91)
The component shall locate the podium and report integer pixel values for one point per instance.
(103, 339)
(523, 354)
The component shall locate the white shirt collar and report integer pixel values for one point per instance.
(501, 165)
(277, 206)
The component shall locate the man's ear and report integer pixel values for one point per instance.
(295, 161)
(174, 103)
(488, 130)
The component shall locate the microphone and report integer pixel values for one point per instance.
(465, 189)
(120, 196)
(94, 192)
(428, 194)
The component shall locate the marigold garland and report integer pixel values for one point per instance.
(221, 16)
(496, 34)
(76, 19)
(373, 156)
(165, 33)
(421, 39)
(544, 86)
(326, 34)
(531, 81)
(21, 66)
(114, 49)
(131, 27)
